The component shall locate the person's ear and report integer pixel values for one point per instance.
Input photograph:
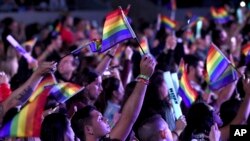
(89, 129)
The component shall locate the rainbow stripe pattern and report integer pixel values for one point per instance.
(167, 22)
(48, 79)
(144, 46)
(188, 94)
(27, 123)
(58, 27)
(63, 91)
(116, 29)
(245, 49)
(216, 63)
(220, 15)
(95, 46)
(31, 43)
(181, 68)
(229, 76)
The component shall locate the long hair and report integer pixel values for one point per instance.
(199, 121)
(54, 127)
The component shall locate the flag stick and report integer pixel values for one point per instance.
(75, 51)
(130, 29)
(140, 45)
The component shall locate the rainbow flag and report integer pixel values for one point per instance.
(58, 27)
(144, 45)
(116, 29)
(229, 76)
(245, 49)
(216, 63)
(48, 79)
(189, 35)
(167, 22)
(181, 68)
(194, 19)
(95, 46)
(27, 123)
(119, 51)
(220, 15)
(63, 91)
(31, 43)
(188, 94)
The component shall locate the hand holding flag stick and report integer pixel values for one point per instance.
(130, 28)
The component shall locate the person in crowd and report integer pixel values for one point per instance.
(21, 95)
(89, 124)
(56, 127)
(157, 101)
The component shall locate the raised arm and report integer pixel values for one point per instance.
(133, 105)
(242, 115)
(106, 61)
(22, 94)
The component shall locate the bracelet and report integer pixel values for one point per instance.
(144, 81)
(143, 76)
(175, 133)
(110, 55)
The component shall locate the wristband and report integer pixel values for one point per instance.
(143, 77)
(144, 81)
(175, 133)
(110, 55)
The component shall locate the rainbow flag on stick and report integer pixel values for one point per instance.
(144, 46)
(58, 27)
(216, 63)
(220, 15)
(47, 80)
(167, 22)
(246, 49)
(31, 43)
(27, 123)
(116, 29)
(188, 94)
(181, 68)
(63, 91)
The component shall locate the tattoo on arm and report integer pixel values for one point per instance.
(23, 96)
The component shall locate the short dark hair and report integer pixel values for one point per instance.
(86, 76)
(54, 127)
(81, 118)
(191, 61)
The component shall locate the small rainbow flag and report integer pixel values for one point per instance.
(119, 51)
(189, 35)
(116, 29)
(167, 22)
(95, 46)
(220, 15)
(246, 49)
(144, 45)
(188, 94)
(229, 76)
(48, 79)
(58, 27)
(181, 68)
(27, 123)
(63, 91)
(31, 43)
(194, 19)
(216, 63)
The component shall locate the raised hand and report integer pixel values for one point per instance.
(128, 53)
(147, 65)
(214, 134)
(45, 67)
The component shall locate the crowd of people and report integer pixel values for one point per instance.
(125, 95)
